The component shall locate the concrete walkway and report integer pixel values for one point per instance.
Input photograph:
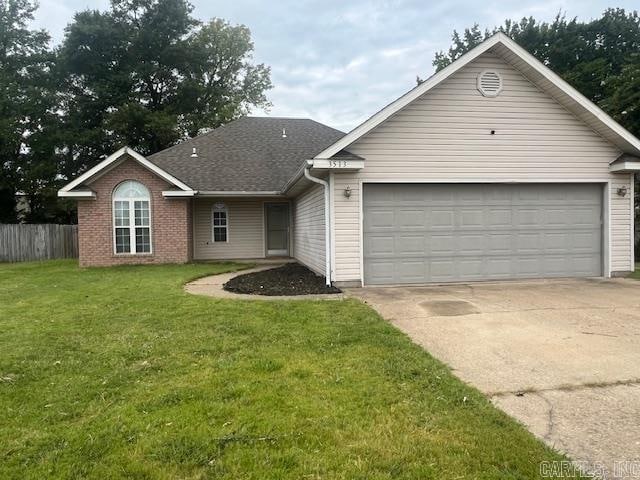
(212, 287)
(561, 356)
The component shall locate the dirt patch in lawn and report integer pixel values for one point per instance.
(290, 279)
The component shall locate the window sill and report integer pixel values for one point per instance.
(120, 255)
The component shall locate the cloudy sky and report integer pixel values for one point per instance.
(340, 61)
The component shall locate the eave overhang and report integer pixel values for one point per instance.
(334, 164)
(179, 193)
(90, 194)
(625, 164)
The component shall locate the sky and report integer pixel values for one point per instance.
(338, 62)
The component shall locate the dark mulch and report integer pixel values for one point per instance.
(290, 279)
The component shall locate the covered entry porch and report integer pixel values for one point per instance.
(226, 228)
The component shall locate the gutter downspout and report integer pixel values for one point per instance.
(327, 222)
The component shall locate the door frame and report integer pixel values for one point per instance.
(265, 230)
(606, 206)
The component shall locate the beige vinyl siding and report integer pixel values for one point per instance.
(246, 229)
(444, 136)
(621, 224)
(309, 229)
(346, 235)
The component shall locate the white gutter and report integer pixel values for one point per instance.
(298, 175)
(179, 193)
(327, 223)
(77, 194)
(238, 193)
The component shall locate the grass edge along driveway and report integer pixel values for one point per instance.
(118, 373)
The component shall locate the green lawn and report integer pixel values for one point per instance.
(117, 373)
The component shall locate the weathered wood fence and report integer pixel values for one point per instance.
(21, 243)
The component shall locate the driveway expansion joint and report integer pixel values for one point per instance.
(565, 388)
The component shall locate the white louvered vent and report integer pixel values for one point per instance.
(489, 83)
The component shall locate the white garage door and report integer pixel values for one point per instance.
(420, 233)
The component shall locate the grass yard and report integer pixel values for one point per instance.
(117, 373)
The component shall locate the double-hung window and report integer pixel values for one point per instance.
(131, 218)
(220, 223)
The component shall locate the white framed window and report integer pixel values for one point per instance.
(219, 223)
(131, 218)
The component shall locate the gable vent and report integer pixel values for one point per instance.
(489, 83)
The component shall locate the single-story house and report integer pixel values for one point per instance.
(493, 168)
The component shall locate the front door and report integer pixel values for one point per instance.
(277, 220)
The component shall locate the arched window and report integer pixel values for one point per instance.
(131, 218)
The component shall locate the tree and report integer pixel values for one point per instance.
(221, 83)
(147, 74)
(26, 102)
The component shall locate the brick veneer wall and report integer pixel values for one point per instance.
(171, 227)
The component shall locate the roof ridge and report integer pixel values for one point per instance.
(276, 117)
(219, 128)
(327, 126)
(202, 135)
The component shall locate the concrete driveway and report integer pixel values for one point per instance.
(561, 356)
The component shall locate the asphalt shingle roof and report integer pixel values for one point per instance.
(248, 154)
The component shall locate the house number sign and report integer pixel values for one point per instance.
(338, 164)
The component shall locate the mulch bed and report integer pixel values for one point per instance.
(290, 279)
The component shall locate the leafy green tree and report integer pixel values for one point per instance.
(147, 74)
(27, 108)
(624, 101)
(221, 82)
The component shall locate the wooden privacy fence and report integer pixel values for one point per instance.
(21, 243)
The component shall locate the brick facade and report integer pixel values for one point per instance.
(171, 221)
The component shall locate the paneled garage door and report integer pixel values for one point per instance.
(420, 233)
